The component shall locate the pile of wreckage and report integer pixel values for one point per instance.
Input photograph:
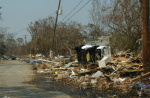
(96, 70)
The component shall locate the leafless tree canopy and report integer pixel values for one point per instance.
(121, 19)
(67, 36)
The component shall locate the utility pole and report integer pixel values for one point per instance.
(0, 14)
(55, 27)
(25, 38)
(145, 35)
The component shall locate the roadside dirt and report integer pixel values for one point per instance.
(13, 73)
(13, 77)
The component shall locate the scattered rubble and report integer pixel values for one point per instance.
(120, 72)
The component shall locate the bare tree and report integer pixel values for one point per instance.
(67, 36)
(2, 45)
(41, 32)
(126, 17)
(97, 13)
(20, 41)
(122, 18)
(2, 40)
(125, 23)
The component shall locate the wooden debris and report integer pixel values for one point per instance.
(140, 77)
(124, 69)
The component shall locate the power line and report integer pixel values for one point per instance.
(20, 30)
(68, 14)
(52, 12)
(78, 10)
(73, 9)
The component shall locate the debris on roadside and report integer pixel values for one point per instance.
(122, 72)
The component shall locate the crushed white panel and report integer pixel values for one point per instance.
(104, 61)
(97, 74)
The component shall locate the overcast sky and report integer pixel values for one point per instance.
(17, 14)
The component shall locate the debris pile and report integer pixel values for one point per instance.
(120, 72)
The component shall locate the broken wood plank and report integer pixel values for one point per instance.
(88, 71)
(58, 68)
(125, 71)
(74, 68)
(106, 67)
(141, 77)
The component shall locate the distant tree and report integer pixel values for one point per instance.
(2, 48)
(20, 41)
(42, 32)
(68, 36)
(125, 23)
(98, 12)
(121, 18)
(2, 41)
(10, 43)
(94, 31)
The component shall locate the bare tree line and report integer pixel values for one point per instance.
(120, 19)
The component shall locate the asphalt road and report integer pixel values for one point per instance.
(14, 74)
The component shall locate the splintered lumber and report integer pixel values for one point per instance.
(88, 72)
(74, 68)
(58, 68)
(142, 76)
(129, 71)
(107, 67)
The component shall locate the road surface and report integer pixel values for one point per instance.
(14, 74)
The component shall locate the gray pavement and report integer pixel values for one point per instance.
(14, 74)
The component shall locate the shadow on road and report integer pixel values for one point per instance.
(28, 92)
